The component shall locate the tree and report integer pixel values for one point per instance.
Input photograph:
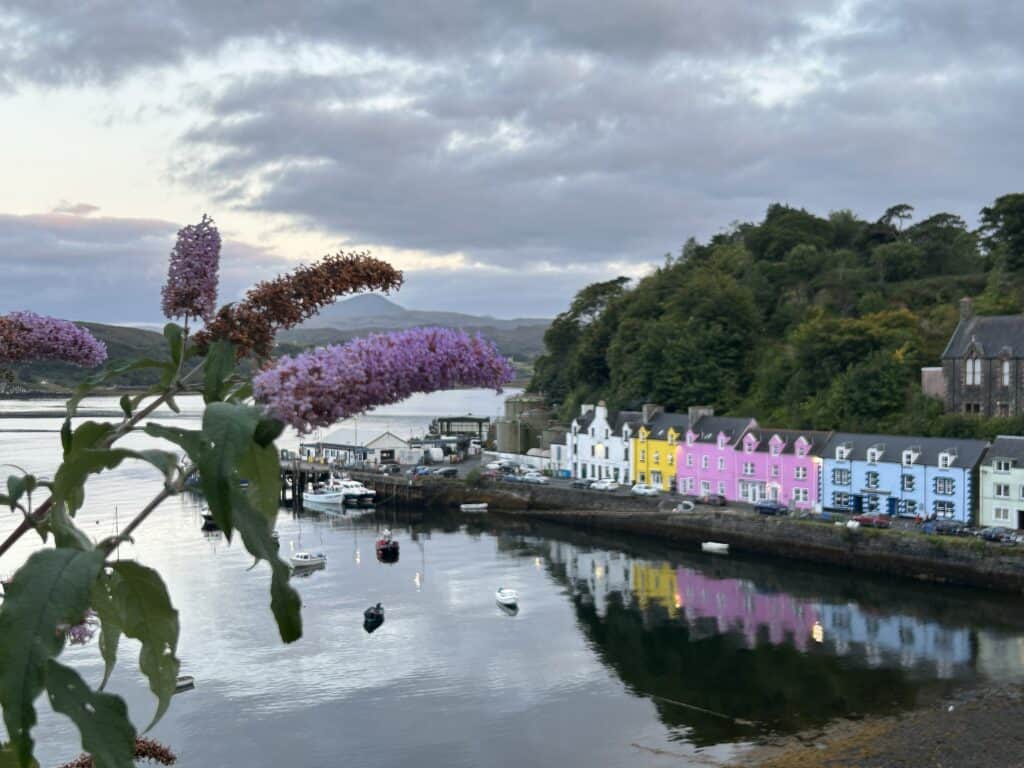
(897, 213)
(1002, 230)
(897, 261)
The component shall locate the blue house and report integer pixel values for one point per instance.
(900, 475)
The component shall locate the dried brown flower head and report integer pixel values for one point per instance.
(282, 303)
(145, 749)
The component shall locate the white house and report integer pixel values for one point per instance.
(598, 443)
(1001, 485)
(386, 447)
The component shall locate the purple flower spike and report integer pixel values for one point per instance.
(324, 385)
(26, 336)
(191, 288)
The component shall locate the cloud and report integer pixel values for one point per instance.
(75, 209)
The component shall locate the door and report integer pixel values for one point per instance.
(858, 504)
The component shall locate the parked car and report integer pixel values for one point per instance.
(511, 477)
(582, 482)
(874, 521)
(644, 489)
(998, 535)
(419, 470)
(945, 528)
(604, 485)
(494, 465)
(714, 499)
(389, 469)
(770, 508)
(536, 478)
(447, 472)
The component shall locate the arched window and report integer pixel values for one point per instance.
(973, 371)
(1006, 373)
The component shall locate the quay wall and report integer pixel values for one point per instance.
(909, 554)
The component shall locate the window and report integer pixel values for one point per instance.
(775, 470)
(873, 455)
(689, 438)
(945, 459)
(606, 434)
(776, 449)
(592, 451)
(748, 446)
(842, 453)
(704, 462)
(906, 507)
(908, 458)
(721, 488)
(800, 473)
(643, 455)
(689, 459)
(907, 482)
(748, 468)
(705, 486)
(657, 457)
(643, 478)
(1004, 409)
(801, 449)
(871, 504)
(800, 494)
(841, 476)
(973, 377)
(871, 479)
(671, 459)
(944, 508)
(721, 442)
(1006, 373)
(1002, 490)
(945, 486)
(841, 500)
(591, 431)
(1001, 514)
(721, 463)
(1001, 465)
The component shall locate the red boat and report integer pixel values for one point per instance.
(387, 547)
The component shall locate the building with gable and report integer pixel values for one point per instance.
(706, 460)
(654, 447)
(782, 465)
(983, 364)
(598, 443)
(900, 475)
(1001, 483)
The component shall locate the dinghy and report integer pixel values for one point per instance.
(184, 683)
(473, 509)
(373, 617)
(507, 598)
(308, 559)
(714, 547)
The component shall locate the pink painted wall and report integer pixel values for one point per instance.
(724, 478)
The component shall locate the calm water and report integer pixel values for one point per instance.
(622, 654)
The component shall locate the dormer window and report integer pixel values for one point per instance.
(689, 438)
(776, 449)
(1002, 465)
(591, 431)
(873, 455)
(945, 460)
(908, 458)
(721, 442)
(842, 453)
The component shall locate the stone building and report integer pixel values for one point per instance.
(983, 365)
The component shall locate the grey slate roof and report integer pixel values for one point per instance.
(763, 435)
(583, 421)
(708, 427)
(993, 334)
(660, 424)
(622, 418)
(1006, 447)
(968, 452)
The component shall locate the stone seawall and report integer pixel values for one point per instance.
(941, 559)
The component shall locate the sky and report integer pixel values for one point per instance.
(504, 153)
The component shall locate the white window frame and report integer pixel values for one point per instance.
(721, 463)
(775, 470)
(721, 488)
(907, 482)
(1001, 490)
(799, 473)
(801, 494)
(705, 462)
(1001, 514)
(689, 459)
(944, 460)
(1002, 465)
(748, 468)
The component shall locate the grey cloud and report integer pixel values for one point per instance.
(75, 209)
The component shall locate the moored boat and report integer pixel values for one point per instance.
(373, 617)
(308, 559)
(184, 683)
(387, 547)
(507, 598)
(473, 508)
(714, 547)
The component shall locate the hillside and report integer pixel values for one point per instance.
(799, 320)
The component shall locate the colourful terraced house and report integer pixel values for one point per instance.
(706, 460)
(654, 447)
(782, 465)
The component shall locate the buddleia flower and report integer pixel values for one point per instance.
(191, 288)
(26, 336)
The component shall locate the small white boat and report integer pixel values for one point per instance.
(308, 559)
(507, 597)
(473, 508)
(714, 547)
(184, 683)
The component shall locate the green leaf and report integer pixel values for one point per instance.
(50, 589)
(267, 431)
(110, 620)
(9, 758)
(227, 436)
(240, 393)
(189, 440)
(102, 719)
(65, 435)
(126, 405)
(220, 364)
(65, 532)
(68, 482)
(175, 336)
(111, 371)
(146, 614)
(15, 488)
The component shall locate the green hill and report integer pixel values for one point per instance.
(799, 320)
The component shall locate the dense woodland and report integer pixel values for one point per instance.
(800, 321)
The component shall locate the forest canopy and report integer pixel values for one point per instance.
(799, 320)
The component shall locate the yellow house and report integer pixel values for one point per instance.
(654, 448)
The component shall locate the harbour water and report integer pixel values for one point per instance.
(623, 652)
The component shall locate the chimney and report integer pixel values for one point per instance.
(696, 412)
(601, 412)
(966, 308)
(650, 410)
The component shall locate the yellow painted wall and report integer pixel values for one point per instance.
(654, 456)
(656, 583)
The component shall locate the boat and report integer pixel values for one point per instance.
(507, 598)
(209, 524)
(373, 617)
(341, 491)
(184, 683)
(386, 546)
(474, 508)
(714, 547)
(308, 559)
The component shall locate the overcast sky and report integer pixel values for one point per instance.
(503, 153)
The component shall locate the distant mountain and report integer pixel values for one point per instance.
(375, 312)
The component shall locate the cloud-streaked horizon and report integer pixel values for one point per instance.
(513, 152)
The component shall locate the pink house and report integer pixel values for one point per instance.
(782, 465)
(706, 460)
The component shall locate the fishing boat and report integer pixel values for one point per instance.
(184, 683)
(386, 545)
(308, 559)
(507, 598)
(373, 617)
(473, 508)
(714, 547)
